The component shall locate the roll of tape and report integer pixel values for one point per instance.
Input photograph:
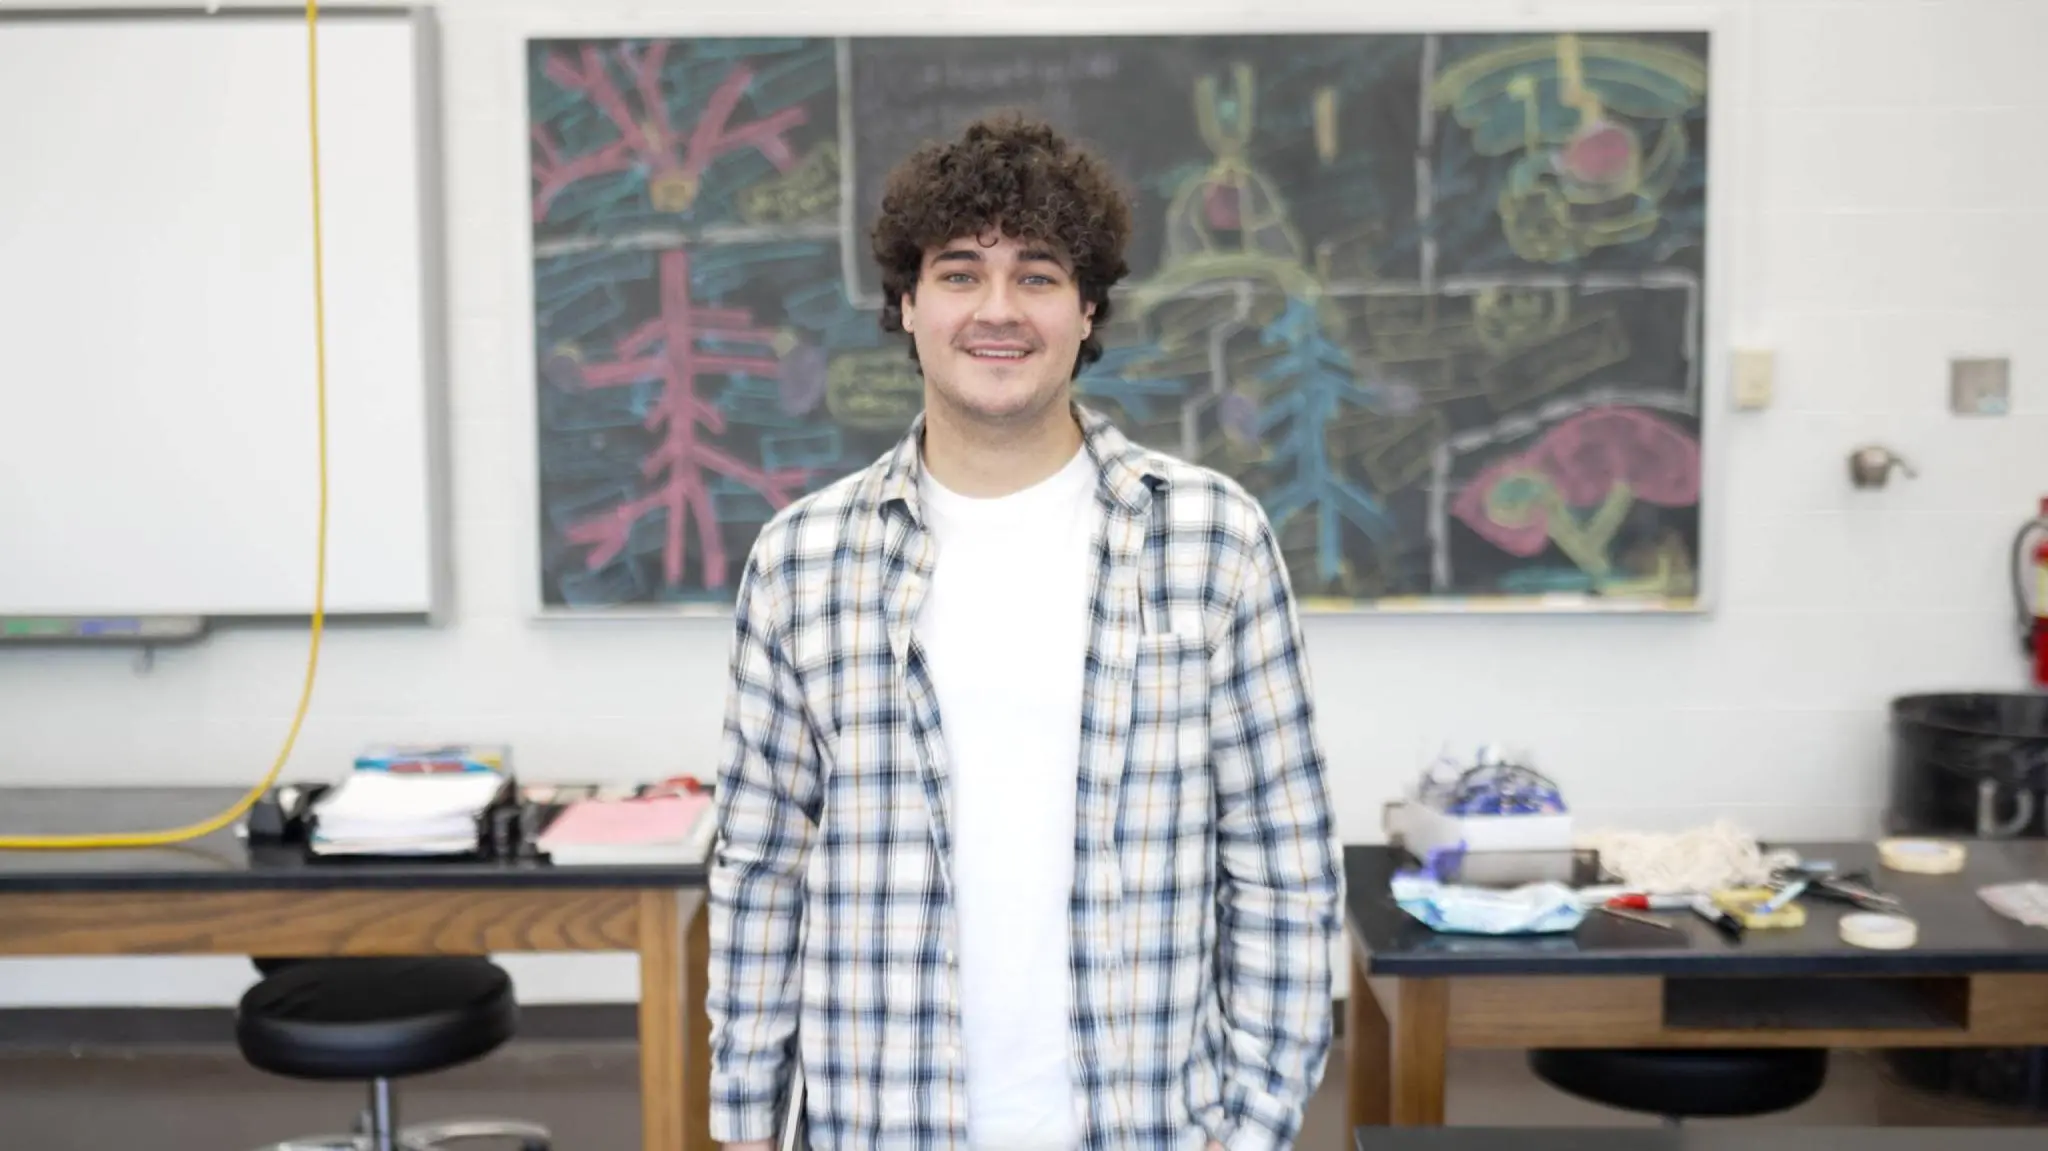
(1922, 856)
(1879, 932)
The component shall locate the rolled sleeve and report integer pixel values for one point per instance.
(1280, 887)
(767, 792)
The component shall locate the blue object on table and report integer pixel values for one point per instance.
(1504, 789)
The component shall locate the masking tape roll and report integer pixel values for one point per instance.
(1879, 932)
(1922, 856)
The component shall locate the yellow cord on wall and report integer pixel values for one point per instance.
(241, 807)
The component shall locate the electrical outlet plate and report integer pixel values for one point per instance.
(1980, 386)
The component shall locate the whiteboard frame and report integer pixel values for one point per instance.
(431, 257)
(1730, 27)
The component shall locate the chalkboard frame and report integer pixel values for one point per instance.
(1728, 62)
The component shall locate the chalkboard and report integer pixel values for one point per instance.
(1436, 300)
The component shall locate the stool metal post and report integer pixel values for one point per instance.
(383, 1121)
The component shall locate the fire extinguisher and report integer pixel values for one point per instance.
(2033, 609)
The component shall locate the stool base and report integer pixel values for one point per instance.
(377, 1130)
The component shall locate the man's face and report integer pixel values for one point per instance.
(998, 324)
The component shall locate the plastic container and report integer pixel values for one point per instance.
(1972, 765)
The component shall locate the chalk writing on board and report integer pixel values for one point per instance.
(672, 163)
(1604, 458)
(1434, 299)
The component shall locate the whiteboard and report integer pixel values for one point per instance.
(157, 388)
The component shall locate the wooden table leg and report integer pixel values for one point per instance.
(697, 1048)
(1365, 1050)
(663, 1011)
(1421, 1033)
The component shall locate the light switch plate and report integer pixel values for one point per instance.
(1755, 370)
(1980, 387)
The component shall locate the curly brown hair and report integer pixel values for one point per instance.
(1014, 174)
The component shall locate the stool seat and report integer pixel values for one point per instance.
(375, 1018)
(1687, 1084)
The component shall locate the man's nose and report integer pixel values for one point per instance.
(998, 304)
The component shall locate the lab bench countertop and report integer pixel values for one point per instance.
(1957, 930)
(224, 861)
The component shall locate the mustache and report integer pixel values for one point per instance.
(996, 336)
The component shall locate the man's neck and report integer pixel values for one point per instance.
(986, 463)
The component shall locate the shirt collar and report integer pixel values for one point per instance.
(1129, 474)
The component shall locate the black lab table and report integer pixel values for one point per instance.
(216, 896)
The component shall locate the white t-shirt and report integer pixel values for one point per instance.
(1004, 629)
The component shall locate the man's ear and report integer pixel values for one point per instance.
(1087, 318)
(909, 307)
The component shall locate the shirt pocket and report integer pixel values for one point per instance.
(1170, 704)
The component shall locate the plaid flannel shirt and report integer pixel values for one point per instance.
(1207, 881)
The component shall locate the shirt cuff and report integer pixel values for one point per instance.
(743, 1125)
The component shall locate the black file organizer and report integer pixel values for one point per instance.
(506, 828)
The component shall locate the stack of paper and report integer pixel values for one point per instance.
(664, 829)
(386, 813)
(2026, 902)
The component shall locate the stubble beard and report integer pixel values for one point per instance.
(1031, 410)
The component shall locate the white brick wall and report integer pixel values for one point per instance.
(1885, 173)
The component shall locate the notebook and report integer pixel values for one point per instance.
(662, 829)
(378, 812)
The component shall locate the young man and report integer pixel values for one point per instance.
(1024, 840)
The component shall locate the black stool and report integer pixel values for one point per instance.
(1680, 1084)
(379, 1020)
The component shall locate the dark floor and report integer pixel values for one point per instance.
(588, 1093)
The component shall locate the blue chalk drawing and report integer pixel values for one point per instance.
(1316, 382)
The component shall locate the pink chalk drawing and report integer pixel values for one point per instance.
(665, 348)
(805, 379)
(674, 163)
(1586, 461)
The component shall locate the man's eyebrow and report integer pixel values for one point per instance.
(1027, 256)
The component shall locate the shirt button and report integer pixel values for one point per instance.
(949, 955)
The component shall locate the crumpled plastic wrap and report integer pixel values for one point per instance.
(2025, 902)
(1532, 909)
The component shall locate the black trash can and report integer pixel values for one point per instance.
(1975, 765)
(1970, 764)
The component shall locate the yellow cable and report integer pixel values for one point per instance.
(209, 826)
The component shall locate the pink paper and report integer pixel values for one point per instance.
(626, 821)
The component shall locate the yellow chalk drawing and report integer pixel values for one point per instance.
(1392, 451)
(1583, 180)
(809, 191)
(1517, 498)
(1588, 342)
(1669, 572)
(1325, 107)
(672, 191)
(1508, 318)
(1229, 223)
(873, 389)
